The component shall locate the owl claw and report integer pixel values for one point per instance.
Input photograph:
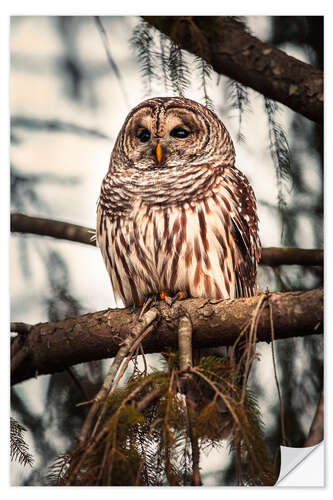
(179, 296)
(163, 294)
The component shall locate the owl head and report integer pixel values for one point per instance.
(166, 132)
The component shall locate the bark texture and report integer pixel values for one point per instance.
(53, 347)
(232, 51)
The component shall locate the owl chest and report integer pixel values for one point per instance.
(174, 248)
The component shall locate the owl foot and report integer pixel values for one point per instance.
(179, 296)
(165, 295)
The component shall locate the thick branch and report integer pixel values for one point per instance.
(20, 223)
(57, 229)
(237, 54)
(54, 346)
(272, 256)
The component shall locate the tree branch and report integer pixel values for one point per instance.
(233, 52)
(20, 223)
(271, 256)
(53, 347)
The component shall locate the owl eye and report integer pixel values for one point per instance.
(179, 133)
(144, 135)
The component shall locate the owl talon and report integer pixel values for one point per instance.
(179, 296)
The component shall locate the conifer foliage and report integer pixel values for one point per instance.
(145, 435)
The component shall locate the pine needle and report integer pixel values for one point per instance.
(19, 450)
(280, 154)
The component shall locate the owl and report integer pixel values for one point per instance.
(175, 215)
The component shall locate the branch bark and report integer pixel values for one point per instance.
(53, 347)
(271, 256)
(233, 52)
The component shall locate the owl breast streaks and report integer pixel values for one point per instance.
(175, 215)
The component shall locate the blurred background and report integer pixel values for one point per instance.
(71, 86)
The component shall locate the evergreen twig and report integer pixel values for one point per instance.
(280, 154)
(19, 449)
(149, 317)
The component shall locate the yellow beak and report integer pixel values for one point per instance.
(159, 153)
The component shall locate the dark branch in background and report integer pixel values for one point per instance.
(31, 123)
(48, 227)
(280, 153)
(316, 434)
(54, 346)
(275, 256)
(57, 229)
(237, 54)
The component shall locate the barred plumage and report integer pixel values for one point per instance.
(174, 212)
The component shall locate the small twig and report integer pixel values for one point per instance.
(224, 398)
(92, 443)
(83, 403)
(316, 433)
(117, 415)
(148, 318)
(238, 464)
(148, 399)
(165, 439)
(232, 411)
(237, 341)
(120, 375)
(185, 344)
(112, 62)
(144, 307)
(251, 348)
(185, 367)
(105, 456)
(196, 478)
(134, 360)
(143, 359)
(283, 429)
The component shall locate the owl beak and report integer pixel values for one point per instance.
(159, 152)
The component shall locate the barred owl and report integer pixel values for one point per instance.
(175, 214)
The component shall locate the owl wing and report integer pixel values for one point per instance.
(244, 232)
